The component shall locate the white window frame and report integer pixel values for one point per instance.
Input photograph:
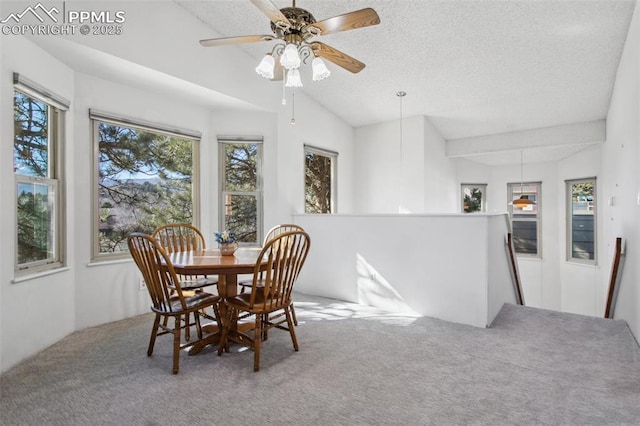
(334, 175)
(98, 117)
(57, 108)
(514, 191)
(569, 220)
(257, 194)
(483, 200)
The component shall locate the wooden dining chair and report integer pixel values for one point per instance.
(270, 298)
(168, 300)
(274, 232)
(176, 237)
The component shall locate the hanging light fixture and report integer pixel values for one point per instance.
(295, 31)
(320, 70)
(290, 58)
(524, 200)
(266, 67)
(293, 78)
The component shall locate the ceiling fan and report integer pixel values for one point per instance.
(297, 28)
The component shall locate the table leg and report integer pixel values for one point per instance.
(227, 287)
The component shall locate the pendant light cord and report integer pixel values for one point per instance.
(401, 95)
(521, 178)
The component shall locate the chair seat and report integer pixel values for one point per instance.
(242, 301)
(197, 283)
(193, 302)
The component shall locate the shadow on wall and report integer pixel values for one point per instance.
(374, 290)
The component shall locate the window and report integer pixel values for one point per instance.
(474, 197)
(145, 178)
(581, 220)
(525, 221)
(241, 188)
(38, 126)
(319, 180)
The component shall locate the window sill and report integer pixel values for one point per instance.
(581, 264)
(528, 257)
(108, 262)
(36, 275)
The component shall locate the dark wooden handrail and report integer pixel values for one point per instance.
(615, 270)
(514, 270)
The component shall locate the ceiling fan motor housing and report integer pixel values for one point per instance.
(296, 31)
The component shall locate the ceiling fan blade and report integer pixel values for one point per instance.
(348, 21)
(269, 9)
(235, 40)
(337, 57)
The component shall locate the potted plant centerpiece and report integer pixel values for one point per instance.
(227, 242)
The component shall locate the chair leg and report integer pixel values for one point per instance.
(154, 333)
(265, 330)
(293, 314)
(257, 339)
(291, 331)
(187, 332)
(196, 317)
(176, 343)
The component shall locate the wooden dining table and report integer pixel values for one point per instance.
(227, 268)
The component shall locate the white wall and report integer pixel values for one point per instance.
(621, 175)
(36, 313)
(317, 127)
(106, 292)
(441, 184)
(408, 175)
(550, 282)
(411, 263)
(582, 286)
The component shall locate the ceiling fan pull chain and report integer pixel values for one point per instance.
(284, 88)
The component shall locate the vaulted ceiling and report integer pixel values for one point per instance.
(473, 67)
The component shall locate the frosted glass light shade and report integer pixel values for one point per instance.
(290, 58)
(293, 78)
(266, 67)
(320, 70)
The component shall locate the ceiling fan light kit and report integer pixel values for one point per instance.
(294, 28)
(266, 67)
(290, 58)
(320, 70)
(293, 78)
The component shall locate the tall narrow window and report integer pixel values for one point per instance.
(474, 197)
(525, 220)
(581, 220)
(241, 188)
(38, 126)
(145, 178)
(319, 177)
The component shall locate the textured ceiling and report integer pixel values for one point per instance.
(473, 67)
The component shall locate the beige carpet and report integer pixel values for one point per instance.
(356, 366)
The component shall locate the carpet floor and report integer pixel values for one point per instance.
(356, 366)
